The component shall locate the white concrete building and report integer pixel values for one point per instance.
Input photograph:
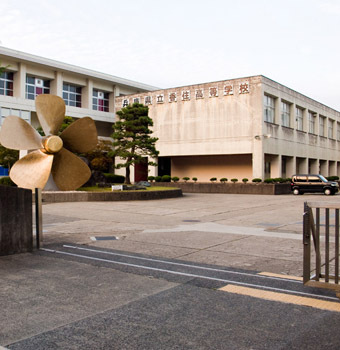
(251, 127)
(85, 92)
(248, 127)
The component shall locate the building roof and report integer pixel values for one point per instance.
(26, 57)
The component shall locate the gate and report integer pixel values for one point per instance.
(321, 258)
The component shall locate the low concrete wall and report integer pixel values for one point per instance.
(237, 188)
(82, 196)
(16, 234)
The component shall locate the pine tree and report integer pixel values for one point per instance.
(132, 137)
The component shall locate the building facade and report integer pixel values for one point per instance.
(249, 128)
(85, 92)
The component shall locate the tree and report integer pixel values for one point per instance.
(66, 122)
(132, 138)
(8, 156)
(100, 158)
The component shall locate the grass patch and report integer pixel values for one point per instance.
(108, 189)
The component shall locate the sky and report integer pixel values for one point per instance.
(183, 42)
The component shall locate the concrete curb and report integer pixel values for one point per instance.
(79, 196)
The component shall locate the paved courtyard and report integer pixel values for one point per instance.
(247, 231)
(169, 274)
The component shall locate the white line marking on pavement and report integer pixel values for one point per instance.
(180, 264)
(188, 274)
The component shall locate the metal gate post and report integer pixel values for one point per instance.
(306, 243)
(38, 217)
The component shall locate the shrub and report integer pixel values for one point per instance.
(113, 178)
(6, 181)
(256, 180)
(269, 181)
(151, 178)
(166, 178)
(158, 178)
(175, 179)
(213, 179)
(332, 178)
(224, 180)
(245, 180)
(234, 180)
(279, 180)
(288, 179)
(185, 178)
(194, 179)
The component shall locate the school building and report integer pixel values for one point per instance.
(249, 127)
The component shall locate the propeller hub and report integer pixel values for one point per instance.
(53, 144)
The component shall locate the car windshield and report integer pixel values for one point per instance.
(323, 179)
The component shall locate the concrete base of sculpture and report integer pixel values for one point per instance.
(16, 234)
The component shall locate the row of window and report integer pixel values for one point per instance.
(286, 120)
(5, 112)
(71, 93)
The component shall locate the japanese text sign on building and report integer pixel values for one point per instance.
(160, 98)
(244, 88)
(148, 100)
(186, 95)
(228, 90)
(213, 92)
(173, 97)
(199, 93)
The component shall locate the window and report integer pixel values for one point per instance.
(72, 95)
(6, 84)
(338, 131)
(330, 128)
(322, 126)
(285, 114)
(299, 118)
(36, 86)
(311, 122)
(100, 101)
(269, 109)
(314, 179)
(5, 112)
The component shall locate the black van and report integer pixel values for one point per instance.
(313, 183)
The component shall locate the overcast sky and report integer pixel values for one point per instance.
(181, 42)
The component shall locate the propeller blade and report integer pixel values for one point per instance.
(69, 171)
(51, 112)
(81, 136)
(16, 133)
(33, 170)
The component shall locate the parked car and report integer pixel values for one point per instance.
(313, 183)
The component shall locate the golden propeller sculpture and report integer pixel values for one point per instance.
(52, 154)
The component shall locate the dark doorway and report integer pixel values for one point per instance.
(141, 170)
(164, 166)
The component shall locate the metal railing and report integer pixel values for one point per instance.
(321, 264)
